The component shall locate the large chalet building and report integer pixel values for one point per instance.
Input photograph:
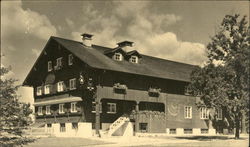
(81, 89)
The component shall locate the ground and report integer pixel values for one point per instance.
(188, 141)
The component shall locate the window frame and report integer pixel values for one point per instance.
(204, 113)
(58, 85)
(93, 106)
(188, 112)
(74, 108)
(70, 84)
(62, 127)
(48, 111)
(40, 91)
(57, 61)
(61, 109)
(74, 126)
(143, 125)
(136, 59)
(45, 89)
(40, 110)
(109, 108)
(50, 66)
(116, 55)
(70, 59)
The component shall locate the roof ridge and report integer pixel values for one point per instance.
(133, 50)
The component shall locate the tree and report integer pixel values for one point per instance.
(224, 80)
(14, 114)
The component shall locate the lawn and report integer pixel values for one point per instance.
(173, 141)
(64, 142)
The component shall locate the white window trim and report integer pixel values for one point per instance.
(57, 61)
(100, 111)
(111, 104)
(206, 113)
(186, 116)
(120, 55)
(40, 110)
(48, 109)
(61, 111)
(39, 90)
(70, 86)
(45, 89)
(50, 67)
(60, 89)
(136, 59)
(73, 107)
(70, 59)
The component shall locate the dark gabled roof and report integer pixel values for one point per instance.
(134, 52)
(149, 66)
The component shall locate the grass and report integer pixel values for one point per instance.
(65, 142)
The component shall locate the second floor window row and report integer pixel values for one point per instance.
(60, 87)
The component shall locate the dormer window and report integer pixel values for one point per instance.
(134, 59)
(118, 56)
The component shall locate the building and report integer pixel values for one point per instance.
(82, 89)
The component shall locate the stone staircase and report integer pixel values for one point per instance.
(117, 124)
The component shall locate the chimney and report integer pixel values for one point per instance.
(125, 45)
(86, 39)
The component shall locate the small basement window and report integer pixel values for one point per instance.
(204, 131)
(188, 131)
(172, 131)
(143, 127)
(75, 126)
(62, 127)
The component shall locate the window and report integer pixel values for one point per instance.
(204, 113)
(70, 59)
(111, 108)
(49, 125)
(62, 127)
(59, 62)
(134, 59)
(40, 110)
(188, 112)
(188, 131)
(39, 90)
(73, 107)
(93, 107)
(60, 86)
(143, 127)
(48, 110)
(204, 131)
(49, 65)
(219, 114)
(47, 89)
(118, 56)
(72, 84)
(172, 131)
(61, 108)
(75, 126)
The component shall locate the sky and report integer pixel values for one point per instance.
(173, 30)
